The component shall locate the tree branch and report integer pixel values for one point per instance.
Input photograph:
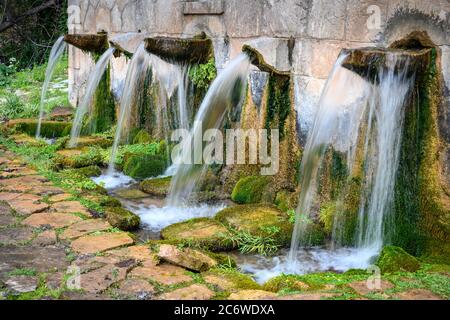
(10, 23)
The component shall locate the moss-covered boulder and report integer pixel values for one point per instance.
(79, 158)
(191, 259)
(89, 141)
(286, 282)
(49, 129)
(250, 190)
(229, 280)
(258, 220)
(132, 194)
(122, 218)
(202, 233)
(90, 171)
(395, 259)
(156, 187)
(144, 166)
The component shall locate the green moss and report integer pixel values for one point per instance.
(286, 282)
(258, 221)
(103, 114)
(122, 219)
(233, 278)
(249, 189)
(278, 104)
(144, 166)
(286, 200)
(156, 187)
(203, 74)
(79, 158)
(90, 171)
(142, 137)
(49, 129)
(395, 259)
(201, 233)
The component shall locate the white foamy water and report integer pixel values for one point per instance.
(309, 260)
(155, 219)
(113, 180)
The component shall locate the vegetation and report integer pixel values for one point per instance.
(145, 166)
(394, 259)
(250, 189)
(203, 74)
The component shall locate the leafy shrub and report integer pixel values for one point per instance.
(202, 75)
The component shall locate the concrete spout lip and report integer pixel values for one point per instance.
(179, 50)
(257, 59)
(367, 62)
(95, 43)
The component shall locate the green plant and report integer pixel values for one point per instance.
(247, 243)
(249, 189)
(203, 74)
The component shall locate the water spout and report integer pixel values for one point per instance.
(55, 55)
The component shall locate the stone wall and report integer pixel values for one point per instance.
(320, 28)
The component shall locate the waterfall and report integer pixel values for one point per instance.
(134, 81)
(55, 55)
(92, 85)
(218, 99)
(353, 112)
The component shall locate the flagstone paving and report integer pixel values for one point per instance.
(51, 246)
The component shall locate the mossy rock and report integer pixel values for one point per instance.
(286, 282)
(286, 200)
(79, 158)
(122, 218)
(49, 129)
(142, 137)
(395, 259)
(250, 189)
(156, 187)
(89, 141)
(204, 233)
(90, 171)
(258, 220)
(229, 280)
(103, 200)
(144, 166)
(130, 194)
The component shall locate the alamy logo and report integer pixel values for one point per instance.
(374, 20)
(210, 147)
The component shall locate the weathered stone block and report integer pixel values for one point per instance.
(327, 19)
(211, 7)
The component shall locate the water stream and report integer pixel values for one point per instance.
(55, 55)
(92, 84)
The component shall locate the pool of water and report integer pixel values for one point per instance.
(308, 260)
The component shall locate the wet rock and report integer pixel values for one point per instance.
(258, 220)
(101, 279)
(16, 235)
(70, 207)
(22, 284)
(27, 204)
(252, 295)
(166, 274)
(102, 242)
(193, 292)
(41, 259)
(45, 238)
(85, 227)
(190, 259)
(60, 197)
(122, 218)
(131, 194)
(158, 187)
(417, 294)
(203, 232)
(52, 219)
(395, 259)
(141, 253)
(54, 281)
(362, 287)
(135, 289)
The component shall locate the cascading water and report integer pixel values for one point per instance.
(363, 122)
(92, 85)
(56, 53)
(220, 97)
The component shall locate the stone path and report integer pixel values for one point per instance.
(52, 247)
